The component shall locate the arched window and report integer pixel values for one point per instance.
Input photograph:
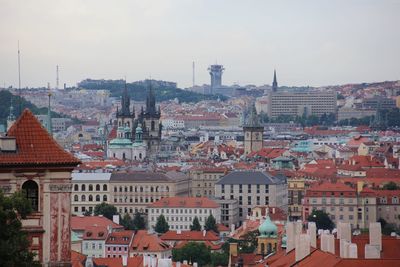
(105, 198)
(126, 189)
(153, 125)
(104, 187)
(83, 198)
(141, 189)
(120, 189)
(76, 187)
(151, 189)
(97, 187)
(90, 187)
(167, 188)
(97, 197)
(83, 187)
(123, 156)
(130, 188)
(90, 198)
(31, 191)
(140, 155)
(76, 199)
(115, 189)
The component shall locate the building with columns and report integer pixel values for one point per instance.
(31, 160)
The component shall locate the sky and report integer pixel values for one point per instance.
(313, 43)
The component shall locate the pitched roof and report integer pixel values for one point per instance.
(145, 242)
(184, 202)
(250, 177)
(79, 223)
(120, 237)
(95, 233)
(35, 147)
(148, 176)
(190, 236)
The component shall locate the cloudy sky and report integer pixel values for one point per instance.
(313, 43)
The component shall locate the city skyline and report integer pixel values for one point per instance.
(315, 44)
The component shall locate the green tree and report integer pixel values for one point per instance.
(138, 222)
(161, 225)
(87, 213)
(195, 225)
(106, 210)
(211, 224)
(391, 186)
(14, 244)
(321, 219)
(193, 252)
(127, 222)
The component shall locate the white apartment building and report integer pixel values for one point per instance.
(88, 190)
(301, 103)
(179, 212)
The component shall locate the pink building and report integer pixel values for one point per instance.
(118, 244)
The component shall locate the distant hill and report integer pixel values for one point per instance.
(5, 101)
(138, 90)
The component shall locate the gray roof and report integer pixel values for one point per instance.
(147, 177)
(90, 176)
(251, 177)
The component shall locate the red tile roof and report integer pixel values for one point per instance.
(145, 242)
(35, 147)
(190, 236)
(95, 233)
(120, 238)
(77, 259)
(108, 262)
(184, 202)
(79, 223)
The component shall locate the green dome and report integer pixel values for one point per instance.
(268, 228)
(139, 128)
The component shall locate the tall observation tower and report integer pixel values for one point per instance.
(216, 76)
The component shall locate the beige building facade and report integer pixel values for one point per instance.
(203, 180)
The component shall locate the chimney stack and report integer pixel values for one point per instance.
(372, 252)
(116, 219)
(375, 235)
(302, 249)
(124, 260)
(312, 231)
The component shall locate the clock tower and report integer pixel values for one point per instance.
(253, 133)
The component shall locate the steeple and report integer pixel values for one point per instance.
(274, 83)
(125, 102)
(151, 101)
(252, 119)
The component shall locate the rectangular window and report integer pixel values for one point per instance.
(240, 189)
(258, 189)
(249, 188)
(249, 200)
(266, 189)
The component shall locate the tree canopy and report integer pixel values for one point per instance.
(391, 186)
(193, 252)
(195, 225)
(14, 244)
(211, 224)
(161, 225)
(107, 210)
(138, 222)
(321, 219)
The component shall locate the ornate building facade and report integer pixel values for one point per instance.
(30, 160)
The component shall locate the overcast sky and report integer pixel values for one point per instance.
(309, 42)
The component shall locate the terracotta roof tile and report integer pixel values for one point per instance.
(145, 242)
(184, 202)
(35, 147)
(79, 223)
(190, 236)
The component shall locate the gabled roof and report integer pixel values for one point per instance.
(79, 223)
(120, 237)
(35, 147)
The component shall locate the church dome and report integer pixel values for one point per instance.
(139, 128)
(268, 228)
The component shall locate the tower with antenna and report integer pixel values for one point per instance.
(49, 122)
(216, 76)
(19, 81)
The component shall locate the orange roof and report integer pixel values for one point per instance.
(95, 233)
(81, 223)
(184, 202)
(35, 147)
(120, 238)
(145, 242)
(190, 236)
(77, 259)
(108, 262)
(326, 186)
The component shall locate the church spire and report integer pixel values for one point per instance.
(274, 83)
(125, 102)
(151, 101)
(49, 125)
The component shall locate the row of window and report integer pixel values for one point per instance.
(90, 198)
(135, 200)
(181, 211)
(249, 188)
(90, 187)
(181, 219)
(141, 189)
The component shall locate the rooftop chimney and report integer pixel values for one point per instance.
(204, 232)
(353, 251)
(372, 252)
(302, 249)
(116, 219)
(233, 249)
(124, 260)
(375, 234)
(312, 231)
(344, 231)
(165, 263)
